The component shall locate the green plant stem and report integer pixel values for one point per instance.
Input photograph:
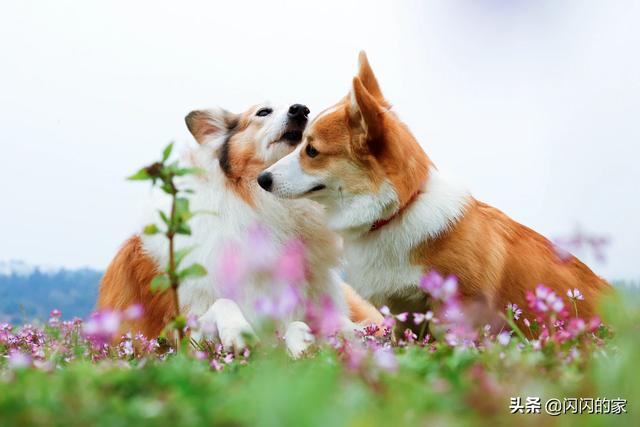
(514, 327)
(172, 268)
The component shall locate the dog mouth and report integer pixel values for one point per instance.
(316, 188)
(292, 137)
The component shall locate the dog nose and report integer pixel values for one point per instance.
(299, 112)
(265, 180)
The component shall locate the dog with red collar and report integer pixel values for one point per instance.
(400, 217)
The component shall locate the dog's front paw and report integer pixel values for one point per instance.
(298, 339)
(236, 335)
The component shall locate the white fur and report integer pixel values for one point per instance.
(298, 339)
(224, 220)
(378, 262)
(225, 317)
(274, 127)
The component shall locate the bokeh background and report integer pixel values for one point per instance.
(534, 104)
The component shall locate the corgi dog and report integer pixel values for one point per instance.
(232, 150)
(400, 217)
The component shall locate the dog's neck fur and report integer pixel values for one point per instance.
(437, 207)
(379, 262)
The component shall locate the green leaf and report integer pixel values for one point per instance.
(141, 175)
(164, 217)
(150, 229)
(160, 283)
(194, 270)
(167, 152)
(179, 322)
(180, 254)
(182, 209)
(167, 188)
(189, 171)
(183, 228)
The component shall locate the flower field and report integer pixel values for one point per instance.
(68, 373)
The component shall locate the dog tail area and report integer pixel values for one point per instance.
(360, 310)
(127, 282)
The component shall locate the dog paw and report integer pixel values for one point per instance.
(236, 336)
(298, 339)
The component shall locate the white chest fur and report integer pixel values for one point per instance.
(224, 220)
(378, 262)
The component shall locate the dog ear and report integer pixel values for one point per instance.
(367, 114)
(208, 125)
(365, 73)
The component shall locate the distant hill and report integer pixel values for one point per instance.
(31, 292)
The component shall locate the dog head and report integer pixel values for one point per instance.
(248, 142)
(356, 158)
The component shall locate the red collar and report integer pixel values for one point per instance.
(382, 222)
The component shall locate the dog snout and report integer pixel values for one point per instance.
(298, 112)
(265, 180)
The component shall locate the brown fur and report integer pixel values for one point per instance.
(127, 282)
(497, 260)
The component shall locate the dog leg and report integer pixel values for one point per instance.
(298, 338)
(226, 317)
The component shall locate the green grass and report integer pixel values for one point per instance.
(448, 386)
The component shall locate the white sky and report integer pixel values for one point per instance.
(534, 104)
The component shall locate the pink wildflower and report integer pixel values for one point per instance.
(19, 360)
(517, 311)
(324, 319)
(439, 287)
(418, 318)
(385, 359)
(134, 312)
(402, 316)
(232, 270)
(504, 338)
(102, 326)
(544, 300)
(575, 294)
(290, 267)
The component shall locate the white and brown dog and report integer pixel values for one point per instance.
(400, 217)
(232, 150)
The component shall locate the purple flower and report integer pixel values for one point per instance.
(232, 271)
(402, 316)
(134, 312)
(575, 294)
(279, 305)
(324, 319)
(290, 267)
(19, 360)
(418, 318)
(102, 326)
(261, 248)
(439, 287)
(517, 311)
(504, 338)
(385, 359)
(545, 300)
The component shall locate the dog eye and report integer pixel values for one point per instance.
(264, 112)
(311, 151)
